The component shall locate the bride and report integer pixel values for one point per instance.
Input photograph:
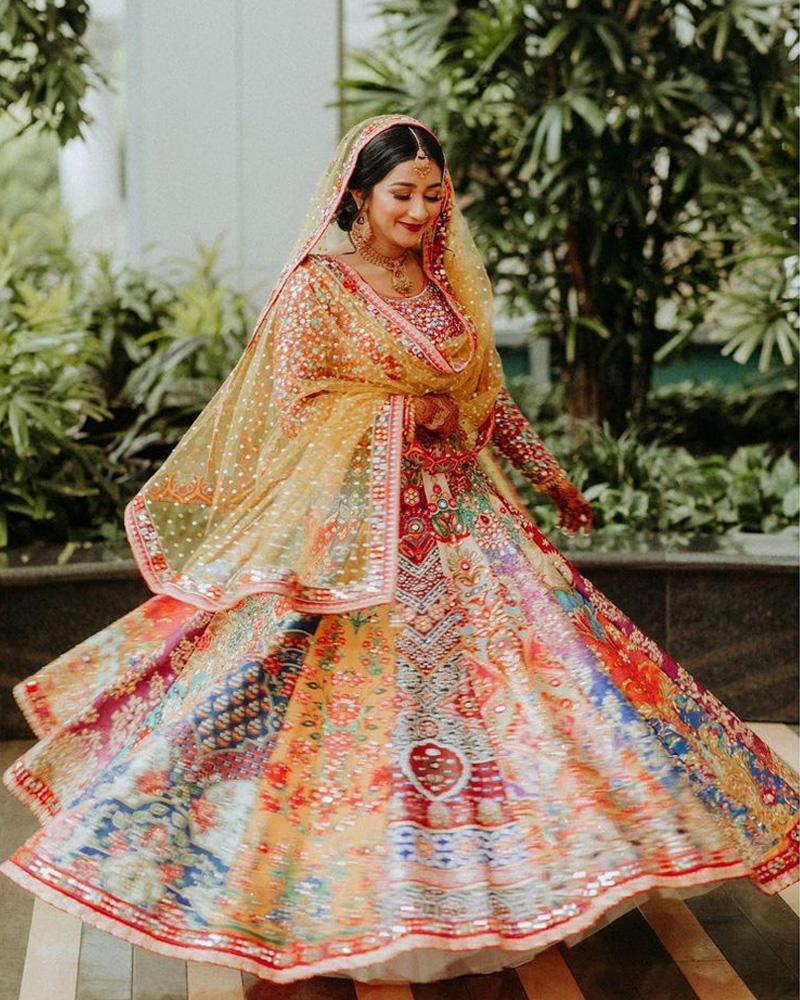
(373, 723)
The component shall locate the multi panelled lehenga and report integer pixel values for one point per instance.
(493, 761)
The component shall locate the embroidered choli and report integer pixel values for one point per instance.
(513, 435)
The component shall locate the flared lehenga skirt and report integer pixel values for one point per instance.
(495, 761)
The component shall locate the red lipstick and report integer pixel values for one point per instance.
(412, 228)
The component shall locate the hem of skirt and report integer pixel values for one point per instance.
(44, 803)
(567, 930)
(469, 962)
(780, 882)
(38, 726)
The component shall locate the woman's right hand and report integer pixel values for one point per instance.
(436, 412)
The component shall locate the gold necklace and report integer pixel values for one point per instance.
(394, 265)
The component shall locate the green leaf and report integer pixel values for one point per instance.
(66, 553)
(790, 505)
(554, 129)
(589, 111)
(595, 326)
(554, 38)
(18, 425)
(721, 36)
(612, 46)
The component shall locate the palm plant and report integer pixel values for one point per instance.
(754, 308)
(591, 141)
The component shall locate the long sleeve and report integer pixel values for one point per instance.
(514, 438)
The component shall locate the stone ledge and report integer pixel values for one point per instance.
(751, 552)
(735, 551)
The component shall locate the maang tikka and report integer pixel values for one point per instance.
(422, 162)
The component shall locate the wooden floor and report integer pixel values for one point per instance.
(732, 943)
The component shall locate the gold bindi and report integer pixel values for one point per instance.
(422, 162)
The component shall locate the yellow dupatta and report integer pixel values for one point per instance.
(288, 480)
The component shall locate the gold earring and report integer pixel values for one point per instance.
(361, 230)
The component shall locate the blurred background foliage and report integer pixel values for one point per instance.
(45, 66)
(630, 171)
(102, 366)
(694, 462)
(629, 167)
(102, 369)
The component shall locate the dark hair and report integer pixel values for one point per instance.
(381, 154)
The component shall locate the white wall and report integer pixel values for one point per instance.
(227, 125)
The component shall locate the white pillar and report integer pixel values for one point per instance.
(227, 126)
(90, 168)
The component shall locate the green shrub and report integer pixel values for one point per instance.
(102, 369)
(46, 400)
(657, 489)
(708, 417)
(683, 470)
(703, 417)
(196, 342)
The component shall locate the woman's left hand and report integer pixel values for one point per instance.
(574, 512)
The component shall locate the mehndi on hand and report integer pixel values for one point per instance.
(574, 511)
(436, 412)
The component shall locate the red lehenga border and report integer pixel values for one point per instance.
(621, 898)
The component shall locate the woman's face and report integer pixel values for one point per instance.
(402, 205)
